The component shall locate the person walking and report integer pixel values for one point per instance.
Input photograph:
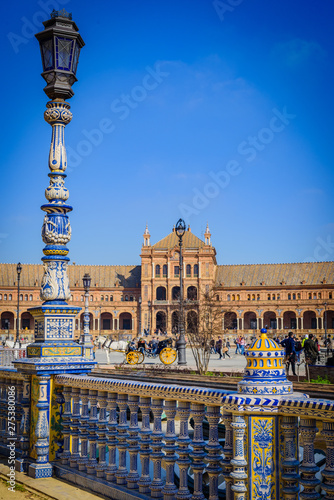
(219, 347)
(311, 351)
(242, 344)
(329, 345)
(290, 353)
(225, 349)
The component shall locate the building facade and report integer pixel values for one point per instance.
(125, 300)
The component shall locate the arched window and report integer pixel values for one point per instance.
(233, 296)
(102, 297)
(5, 297)
(21, 297)
(253, 296)
(268, 296)
(188, 270)
(258, 297)
(196, 270)
(126, 297)
(314, 295)
(238, 297)
(30, 297)
(91, 298)
(111, 298)
(160, 293)
(157, 271)
(310, 295)
(274, 296)
(298, 296)
(176, 271)
(289, 296)
(229, 297)
(319, 295)
(26, 297)
(330, 295)
(131, 298)
(0, 296)
(107, 298)
(192, 293)
(71, 298)
(293, 296)
(217, 297)
(248, 296)
(278, 296)
(10, 297)
(164, 270)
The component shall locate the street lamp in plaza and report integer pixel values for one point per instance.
(149, 303)
(325, 318)
(86, 338)
(139, 322)
(180, 229)
(17, 338)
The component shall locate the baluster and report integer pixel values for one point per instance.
(157, 455)
(67, 415)
(133, 476)
(228, 454)
(214, 451)
(59, 399)
(328, 472)
(183, 450)
(308, 467)
(145, 450)
(102, 437)
(92, 428)
(21, 464)
(290, 462)
(239, 461)
(198, 454)
(122, 471)
(112, 433)
(84, 426)
(75, 455)
(169, 491)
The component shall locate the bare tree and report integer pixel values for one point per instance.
(203, 324)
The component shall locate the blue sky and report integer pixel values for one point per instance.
(210, 111)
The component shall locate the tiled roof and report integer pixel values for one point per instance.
(189, 241)
(273, 274)
(103, 276)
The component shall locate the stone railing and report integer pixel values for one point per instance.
(137, 438)
(7, 356)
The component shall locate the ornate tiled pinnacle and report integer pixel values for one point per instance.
(56, 230)
(265, 371)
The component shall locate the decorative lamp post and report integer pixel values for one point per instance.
(86, 338)
(180, 229)
(325, 304)
(17, 338)
(139, 322)
(149, 303)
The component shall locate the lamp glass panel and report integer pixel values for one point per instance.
(64, 53)
(47, 51)
(76, 58)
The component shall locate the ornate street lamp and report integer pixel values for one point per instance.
(149, 303)
(86, 338)
(17, 338)
(325, 304)
(180, 229)
(139, 322)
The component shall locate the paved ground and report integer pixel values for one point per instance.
(236, 363)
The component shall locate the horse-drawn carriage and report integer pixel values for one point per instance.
(164, 351)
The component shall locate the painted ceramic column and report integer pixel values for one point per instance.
(308, 467)
(157, 455)
(145, 450)
(328, 472)
(101, 432)
(290, 462)
(133, 442)
(92, 422)
(112, 433)
(239, 460)
(228, 454)
(170, 490)
(82, 462)
(198, 454)
(122, 471)
(75, 455)
(183, 450)
(42, 468)
(214, 450)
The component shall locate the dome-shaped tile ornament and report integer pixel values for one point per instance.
(265, 370)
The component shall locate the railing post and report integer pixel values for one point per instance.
(82, 462)
(92, 422)
(42, 468)
(183, 450)
(239, 462)
(133, 476)
(21, 464)
(145, 450)
(102, 438)
(122, 471)
(290, 462)
(170, 490)
(75, 433)
(308, 467)
(328, 472)
(112, 433)
(214, 450)
(65, 456)
(198, 454)
(228, 454)
(157, 455)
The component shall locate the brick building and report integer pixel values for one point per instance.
(127, 299)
